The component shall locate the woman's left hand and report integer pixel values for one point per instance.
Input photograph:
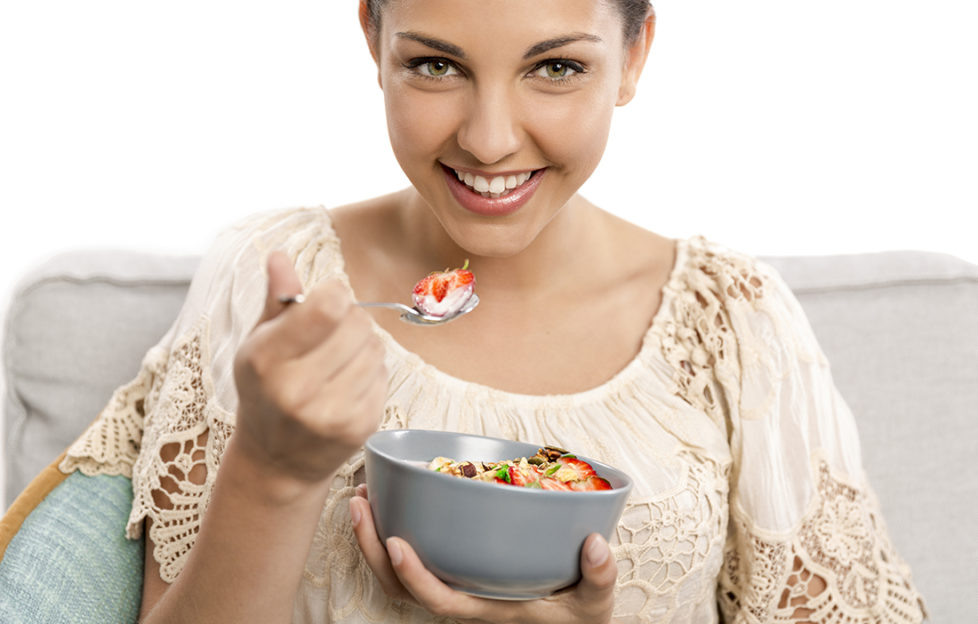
(404, 577)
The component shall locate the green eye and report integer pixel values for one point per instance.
(437, 68)
(556, 70)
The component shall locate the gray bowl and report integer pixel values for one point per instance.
(482, 538)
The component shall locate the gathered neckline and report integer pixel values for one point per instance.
(590, 395)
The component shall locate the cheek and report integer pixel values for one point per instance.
(572, 130)
(419, 123)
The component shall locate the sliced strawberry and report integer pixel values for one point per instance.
(523, 478)
(516, 477)
(591, 484)
(443, 293)
(549, 483)
(582, 470)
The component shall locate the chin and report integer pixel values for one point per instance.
(491, 241)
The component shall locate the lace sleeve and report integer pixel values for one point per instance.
(168, 428)
(806, 540)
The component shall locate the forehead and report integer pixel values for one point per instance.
(499, 25)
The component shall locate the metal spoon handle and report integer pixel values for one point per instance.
(390, 306)
(400, 307)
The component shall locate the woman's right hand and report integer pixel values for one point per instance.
(310, 377)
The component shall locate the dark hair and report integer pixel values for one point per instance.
(633, 14)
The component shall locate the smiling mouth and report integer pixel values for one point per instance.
(492, 187)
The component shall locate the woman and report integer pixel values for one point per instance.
(688, 366)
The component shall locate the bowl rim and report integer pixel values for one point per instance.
(371, 446)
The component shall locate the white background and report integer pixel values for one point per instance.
(772, 126)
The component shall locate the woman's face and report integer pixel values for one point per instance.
(499, 111)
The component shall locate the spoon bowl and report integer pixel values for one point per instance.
(417, 317)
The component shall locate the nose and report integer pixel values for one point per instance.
(491, 129)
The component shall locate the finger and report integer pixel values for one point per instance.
(349, 381)
(360, 376)
(308, 324)
(435, 595)
(373, 550)
(305, 325)
(598, 572)
(339, 412)
(282, 281)
(353, 344)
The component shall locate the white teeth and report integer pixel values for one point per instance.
(497, 185)
(494, 187)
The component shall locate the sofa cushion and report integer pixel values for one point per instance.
(77, 328)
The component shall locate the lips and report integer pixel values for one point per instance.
(497, 195)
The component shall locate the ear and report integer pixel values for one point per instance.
(635, 57)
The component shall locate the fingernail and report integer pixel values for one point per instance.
(395, 552)
(354, 514)
(362, 490)
(597, 551)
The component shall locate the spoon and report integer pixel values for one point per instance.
(408, 314)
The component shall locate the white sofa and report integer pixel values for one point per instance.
(900, 329)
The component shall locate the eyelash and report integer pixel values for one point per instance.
(574, 66)
(415, 65)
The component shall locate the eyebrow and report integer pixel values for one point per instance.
(534, 50)
(436, 44)
(556, 42)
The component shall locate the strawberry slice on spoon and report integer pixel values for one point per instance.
(444, 293)
(438, 298)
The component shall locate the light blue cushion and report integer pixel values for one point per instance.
(70, 562)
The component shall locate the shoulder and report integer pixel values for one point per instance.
(733, 277)
(292, 230)
(722, 291)
(238, 254)
(283, 228)
(740, 293)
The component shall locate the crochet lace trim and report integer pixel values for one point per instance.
(839, 567)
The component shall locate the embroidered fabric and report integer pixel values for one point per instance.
(838, 568)
(728, 383)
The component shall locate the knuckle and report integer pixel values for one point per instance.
(334, 293)
(324, 313)
(329, 302)
(288, 396)
(251, 357)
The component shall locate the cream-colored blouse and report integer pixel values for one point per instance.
(746, 461)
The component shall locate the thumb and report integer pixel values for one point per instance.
(598, 571)
(282, 282)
